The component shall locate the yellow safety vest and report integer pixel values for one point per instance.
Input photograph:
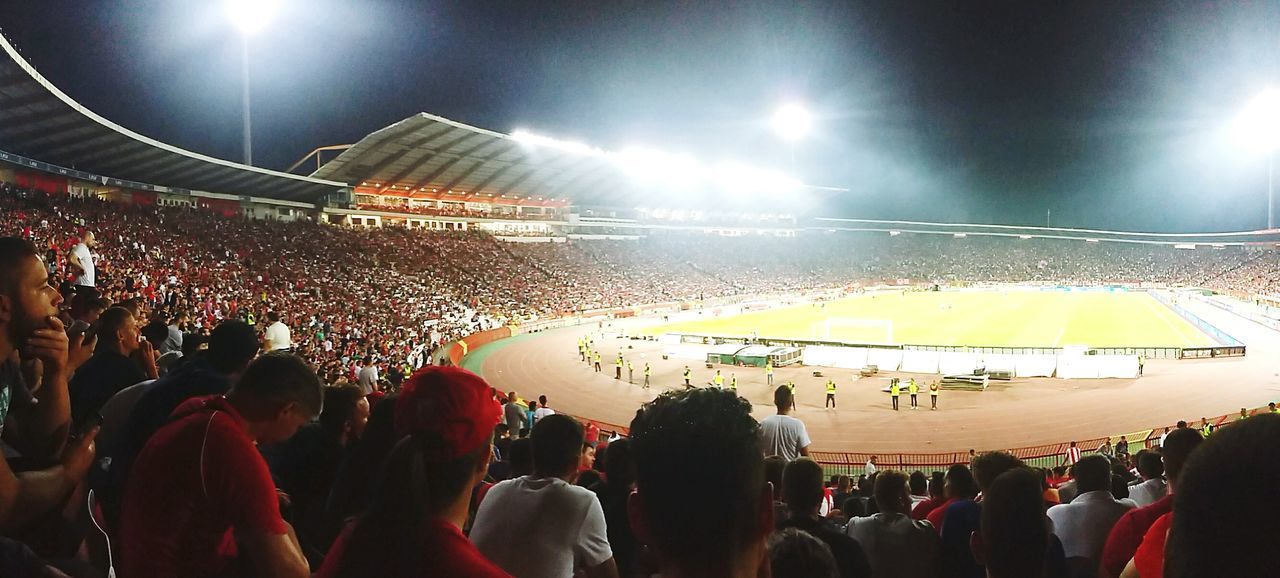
(912, 388)
(733, 382)
(768, 370)
(719, 379)
(933, 389)
(646, 370)
(687, 373)
(895, 390)
(831, 387)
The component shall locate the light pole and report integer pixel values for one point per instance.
(250, 16)
(1259, 125)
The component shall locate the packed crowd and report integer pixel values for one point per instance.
(190, 395)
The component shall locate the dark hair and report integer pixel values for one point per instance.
(272, 316)
(87, 299)
(794, 553)
(802, 486)
(617, 464)
(13, 251)
(1092, 473)
(889, 488)
(339, 408)
(960, 482)
(156, 332)
(1150, 465)
(783, 397)
(353, 488)
(191, 343)
(1015, 533)
(232, 344)
(557, 445)
(1219, 529)
(521, 457)
(277, 378)
(699, 438)
(773, 466)
(1177, 448)
(989, 465)
(1182, 423)
(542, 400)
(919, 483)
(389, 538)
(109, 323)
(937, 482)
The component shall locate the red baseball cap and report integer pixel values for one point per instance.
(451, 402)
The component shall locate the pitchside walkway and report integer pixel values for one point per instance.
(1022, 412)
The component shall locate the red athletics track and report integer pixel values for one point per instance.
(1023, 412)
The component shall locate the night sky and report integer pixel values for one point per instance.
(1112, 113)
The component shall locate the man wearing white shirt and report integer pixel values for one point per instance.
(782, 434)
(1084, 524)
(895, 544)
(541, 525)
(1153, 486)
(543, 410)
(870, 467)
(277, 334)
(83, 260)
(367, 377)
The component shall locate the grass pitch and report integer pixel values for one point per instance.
(990, 318)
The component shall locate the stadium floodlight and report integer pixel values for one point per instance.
(1259, 128)
(251, 16)
(792, 122)
(526, 137)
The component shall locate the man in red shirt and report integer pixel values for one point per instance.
(200, 489)
(1128, 532)
(446, 416)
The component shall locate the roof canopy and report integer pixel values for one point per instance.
(425, 152)
(41, 122)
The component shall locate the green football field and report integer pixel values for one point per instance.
(992, 318)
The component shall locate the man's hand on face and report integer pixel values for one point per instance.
(50, 345)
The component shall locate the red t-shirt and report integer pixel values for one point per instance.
(921, 511)
(1149, 559)
(1127, 535)
(939, 515)
(199, 478)
(446, 552)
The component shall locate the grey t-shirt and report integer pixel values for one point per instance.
(784, 436)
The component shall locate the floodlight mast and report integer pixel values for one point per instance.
(250, 16)
(1261, 123)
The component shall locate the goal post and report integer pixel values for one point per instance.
(853, 329)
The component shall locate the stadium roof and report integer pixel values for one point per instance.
(41, 122)
(427, 151)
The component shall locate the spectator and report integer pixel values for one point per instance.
(110, 369)
(700, 438)
(870, 467)
(277, 337)
(521, 457)
(86, 307)
(1015, 539)
(232, 345)
(803, 493)
(414, 526)
(1127, 534)
(82, 260)
(937, 484)
(773, 466)
(1218, 529)
(566, 519)
(173, 339)
(305, 466)
(1083, 524)
(918, 483)
(367, 377)
(543, 410)
(794, 553)
(896, 545)
(29, 330)
(200, 478)
(355, 485)
(963, 517)
(1122, 446)
(613, 492)
(1153, 486)
(958, 485)
(784, 435)
(515, 414)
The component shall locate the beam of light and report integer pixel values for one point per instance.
(251, 16)
(1258, 125)
(526, 137)
(792, 122)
